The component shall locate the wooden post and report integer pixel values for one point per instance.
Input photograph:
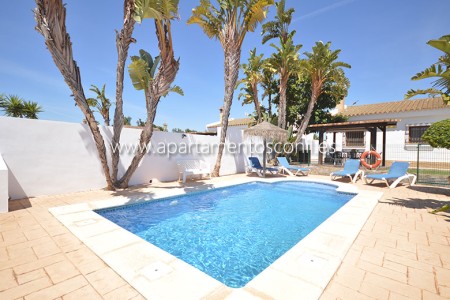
(320, 147)
(373, 138)
(383, 162)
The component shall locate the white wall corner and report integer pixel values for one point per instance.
(4, 195)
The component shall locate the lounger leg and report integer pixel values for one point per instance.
(357, 175)
(393, 185)
(412, 179)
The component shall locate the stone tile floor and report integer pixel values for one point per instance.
(402, 252)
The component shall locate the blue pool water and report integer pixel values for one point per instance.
(232, 233)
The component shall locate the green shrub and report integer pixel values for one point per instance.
(438, 134)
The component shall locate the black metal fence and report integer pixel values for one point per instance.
(430, 165)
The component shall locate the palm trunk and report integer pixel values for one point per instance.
(106, 117)
(270, 106)
(123, 41)
(167, 72)
(314, 95)
(282, 105)
(256, 102)
(50, 17)
(146, 135)
(232, 60)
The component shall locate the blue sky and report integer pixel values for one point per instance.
(384, 41)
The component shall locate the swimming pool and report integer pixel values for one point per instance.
(232, 233)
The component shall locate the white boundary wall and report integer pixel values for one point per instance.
(3, 186)
(48, 157)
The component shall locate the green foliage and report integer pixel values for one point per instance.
(142, 72)
(229, 18)
(443, 208)
(142, 69)
(280, 26)
(270, 86)
(161, 128)
(286, 57)
(439, 70)
(321, 66)
(15, 106)
(299, 95)
(438, 134)
(140, 123)
(252, 78)
(127, 121)
(179, 130)
(155, 9)
(175, 89)
(100, 102)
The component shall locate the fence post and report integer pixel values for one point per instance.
(309, 155)
(418, 160)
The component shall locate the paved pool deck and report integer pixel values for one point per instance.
(402, 251)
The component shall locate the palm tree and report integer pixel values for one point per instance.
(12, 105)
(253, 77)
(229, 24)
(269, 84)
(31, 110)
(50, 17)
(439, 70)
(279, 28)
(323, 70)
(286, 62)
(15, 106)
(153, 76)
(100, 102)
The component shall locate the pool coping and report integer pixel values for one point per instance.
(302, 272)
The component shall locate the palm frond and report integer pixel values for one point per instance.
(431, 92)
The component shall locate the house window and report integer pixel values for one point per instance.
(354, 139)
(416, 132)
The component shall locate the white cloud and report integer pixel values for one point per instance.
(324, 10)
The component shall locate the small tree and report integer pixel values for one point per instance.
(323, 69)
(127, 121)
(100, 102)
(285, 62)
(438, 134)
(229, 23)
(15, 106)
(252, 77)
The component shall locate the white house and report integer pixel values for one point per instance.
(404, 122)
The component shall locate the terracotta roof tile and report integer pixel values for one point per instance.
(234, 122)
(395, 107)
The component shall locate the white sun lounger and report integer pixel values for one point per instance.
(397, 172)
